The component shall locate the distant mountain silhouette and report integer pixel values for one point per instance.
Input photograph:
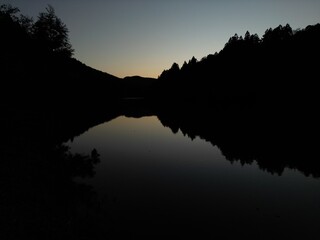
(276, 70)
(38, 70)
(137, 87)
(256, 100)
(272, 76)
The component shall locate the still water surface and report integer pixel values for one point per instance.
(153, 181)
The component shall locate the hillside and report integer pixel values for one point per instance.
(279, 67)
(37, 67)
(274, 74)
(137, 87)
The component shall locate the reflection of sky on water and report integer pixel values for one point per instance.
(147, 168)
(127, 143)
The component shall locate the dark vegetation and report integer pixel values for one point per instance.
(278, 67)
(257, 100)
(276, 70)
(37, 67)
(244, 135)
(41, 85)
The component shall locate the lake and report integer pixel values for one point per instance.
(154, 182)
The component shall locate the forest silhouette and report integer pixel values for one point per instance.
(276, 69)
(256, 100)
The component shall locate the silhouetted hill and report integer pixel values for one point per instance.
(256, 100)
(38, 70)
(41, 81)
(277, 69)
(137, 87)
(264, 90)
(37, 67)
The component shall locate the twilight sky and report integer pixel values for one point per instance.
(144, 37)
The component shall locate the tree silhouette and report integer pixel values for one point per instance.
(278, 34)
(51, 32)
(174, 69)
(26, 23)
(6, 10)
(247, 36)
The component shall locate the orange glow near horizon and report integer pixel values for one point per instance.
(128, 38)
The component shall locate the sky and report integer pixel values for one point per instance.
(144, 37)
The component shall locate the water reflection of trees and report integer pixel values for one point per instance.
(274, 141)
(244, 132)
(40, 198)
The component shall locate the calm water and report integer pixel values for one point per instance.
(152, 181)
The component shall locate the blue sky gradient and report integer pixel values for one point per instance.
(144, 37)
